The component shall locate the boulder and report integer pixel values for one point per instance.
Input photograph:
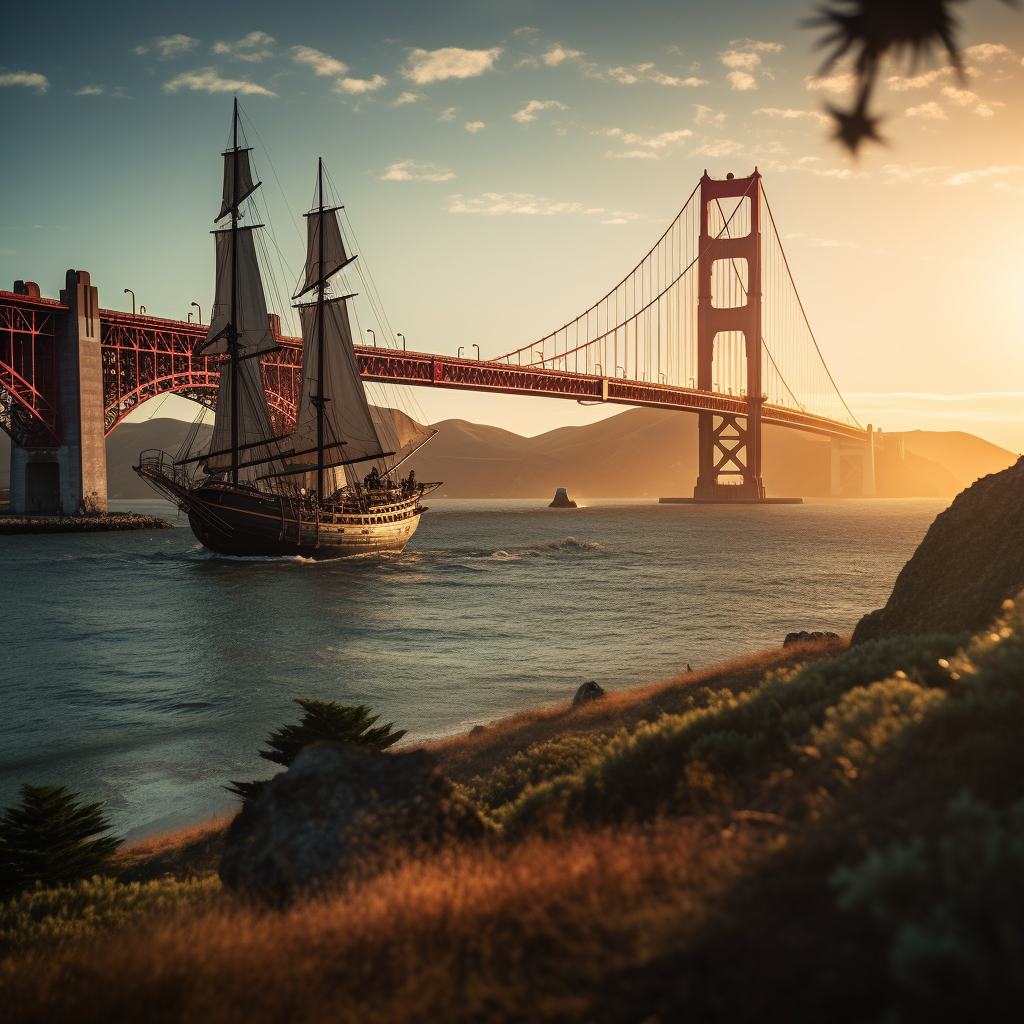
(586, 693)
(561, 499)
(803, 636)
(339, 812)
(970, 561)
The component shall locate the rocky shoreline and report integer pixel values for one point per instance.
(12, 524)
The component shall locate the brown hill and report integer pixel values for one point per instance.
(638, 453)
(969, 563)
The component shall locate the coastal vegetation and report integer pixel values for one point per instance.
(810, 833)
(322, 721)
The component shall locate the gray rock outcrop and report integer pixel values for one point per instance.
(970, 561)
(561, 499)
(803, 637)
(341, 811)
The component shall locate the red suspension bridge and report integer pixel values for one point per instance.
(709, 322)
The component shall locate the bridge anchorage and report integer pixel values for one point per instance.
(708, 322)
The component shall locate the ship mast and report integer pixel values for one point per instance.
(232, 332)
(319, 400)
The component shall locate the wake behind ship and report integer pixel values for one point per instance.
(302, 493)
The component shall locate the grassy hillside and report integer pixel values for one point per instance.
(808, 834)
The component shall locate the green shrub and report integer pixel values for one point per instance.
(322, 721)
(953, 911)
(72, 913)
(867, 718)
(722, 752)
(541, 762)
(52, 839)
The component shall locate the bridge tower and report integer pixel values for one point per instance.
(728, 447)
(71, 476)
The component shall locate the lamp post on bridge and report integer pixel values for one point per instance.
(477, 347)
(128, 291)
(200, 314)
(399, 334)
(458, 355)
(369, 331)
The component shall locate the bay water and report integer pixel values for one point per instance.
(141, 670)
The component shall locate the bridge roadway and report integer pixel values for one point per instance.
(145, 356)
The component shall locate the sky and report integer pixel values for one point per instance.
(505, 163)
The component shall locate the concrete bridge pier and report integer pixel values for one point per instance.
(72, 477)
(853, 467)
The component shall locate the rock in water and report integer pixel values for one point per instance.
(803, 636)
(341, 811)
(587, 692)
(562, 500)
(970, 561)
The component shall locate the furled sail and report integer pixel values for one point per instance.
(252, 324)
(238, 184)
(334, 255)
(347, 415)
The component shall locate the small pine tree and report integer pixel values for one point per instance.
(323, 721)
(47, 838)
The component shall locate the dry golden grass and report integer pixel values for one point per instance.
(537, 931)
(463, 757)
(190, 853)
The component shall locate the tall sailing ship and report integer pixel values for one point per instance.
(303, 493)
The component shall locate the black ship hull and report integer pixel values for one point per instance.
(243, 521)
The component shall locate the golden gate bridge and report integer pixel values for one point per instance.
(709, 322)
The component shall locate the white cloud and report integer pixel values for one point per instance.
(406, 97)
(426, 66)
(90, 90)
(789, 114)
(209, 80)
(358, 86)
(753, 44)
(448, 115)
(171, 46)
(31, 80)
(830, 83)
(658, 141)
(903, 172)
(140, 50)
(630, 75)
(745, 61)
(321, 63)
(897, 83)
(929, 111)
(475, 126)
(559, 53)
(252, 48)
(416, 170)
(971, 177)
(497, 204)
(961, 97)
(529, 112)
(648, 73)
(741, 81)
(724, 147)
(706, 115)
(987, 109)
(525, 31)
(985, 52)
(662, 79)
